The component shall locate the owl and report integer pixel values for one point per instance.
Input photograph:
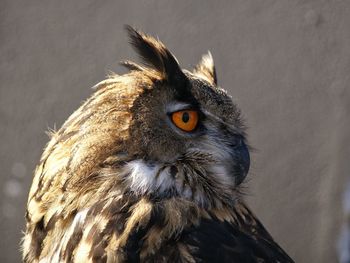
(148, 169)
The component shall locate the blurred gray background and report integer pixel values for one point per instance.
(286, 63)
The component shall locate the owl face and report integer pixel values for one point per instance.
(186, 137)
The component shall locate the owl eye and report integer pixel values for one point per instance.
(185, 120)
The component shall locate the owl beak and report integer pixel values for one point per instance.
(242, 163)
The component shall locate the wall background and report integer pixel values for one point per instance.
(286, 63)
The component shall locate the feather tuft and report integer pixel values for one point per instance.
(154, 54)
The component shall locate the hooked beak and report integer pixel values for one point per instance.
(241, 162)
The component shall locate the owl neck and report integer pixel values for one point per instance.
(207, 188)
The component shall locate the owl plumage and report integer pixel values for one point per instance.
(123, 181)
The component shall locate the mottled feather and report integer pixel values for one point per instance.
(119, 182)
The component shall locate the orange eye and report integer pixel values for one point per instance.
(186, 120)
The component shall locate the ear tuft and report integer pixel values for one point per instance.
(154, 54)
(206, 69)
(131, 65)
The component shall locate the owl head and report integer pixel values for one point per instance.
(186, 134)
(158, 131)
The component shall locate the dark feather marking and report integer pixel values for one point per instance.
(38, 193)
(169, 249)
(134, 244)
(52, 221)
(100, 239)
(98, 253)
(117, 211)
(155, 54)
(215, 76)
(38, 236)
(136, 237)
(173, 171)
(147, 47)
(27, 216)
(168, 252)
(73, 243)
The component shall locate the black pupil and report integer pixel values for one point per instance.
(185, 117)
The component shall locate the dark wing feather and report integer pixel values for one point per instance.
(247, 241)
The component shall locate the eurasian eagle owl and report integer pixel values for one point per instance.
(148, 169)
